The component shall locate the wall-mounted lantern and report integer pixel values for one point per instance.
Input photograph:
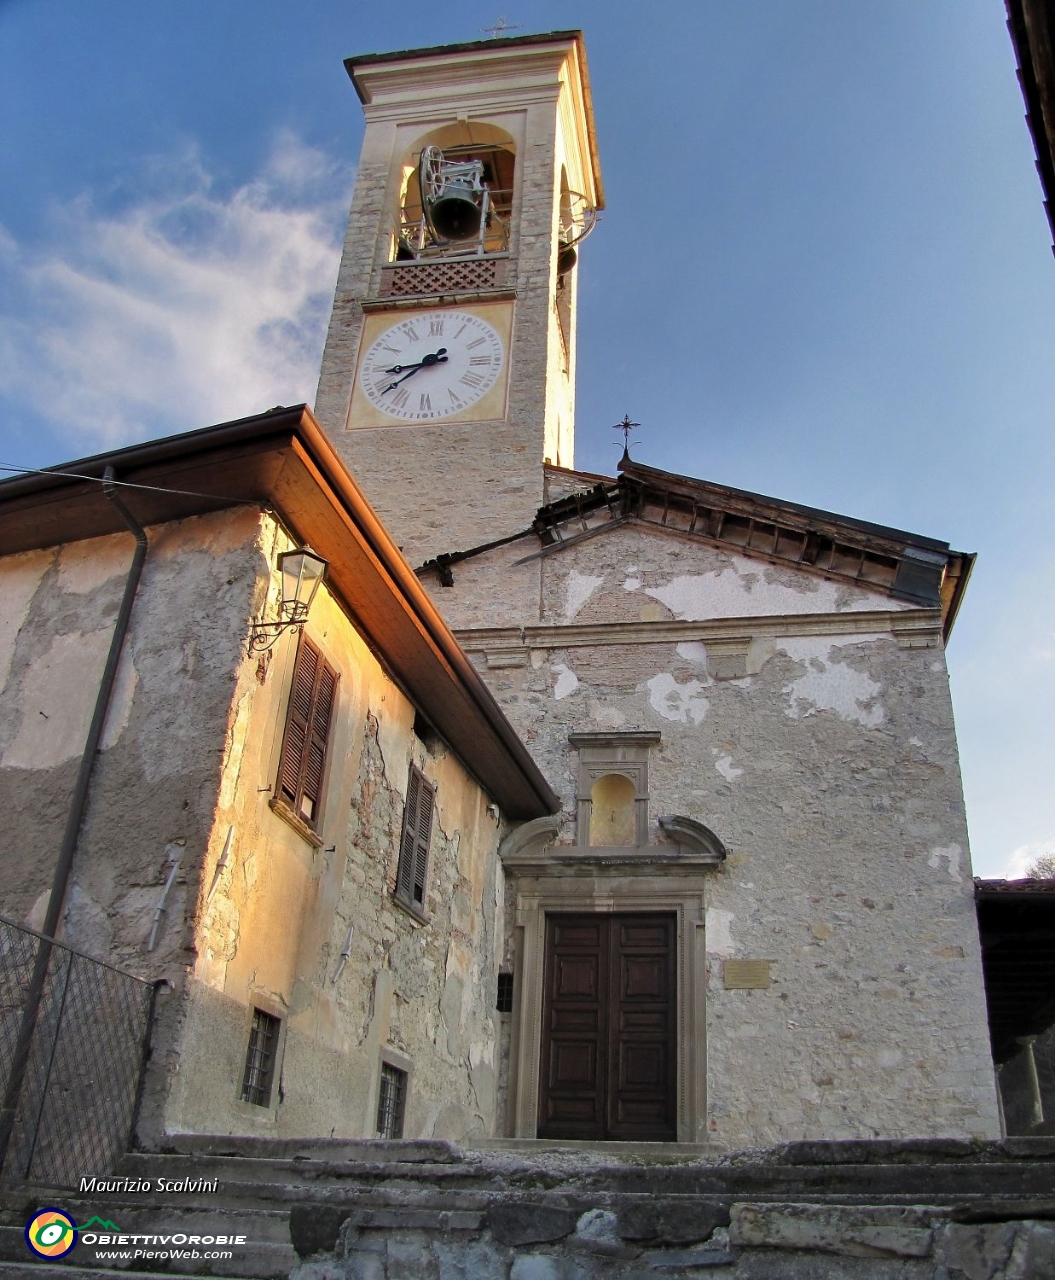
(302, 572)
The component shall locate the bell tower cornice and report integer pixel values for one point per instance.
(480, 78)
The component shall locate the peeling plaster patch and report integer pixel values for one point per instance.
(38, 911)
(22, 575)
(830, 685)
(85, 566)
(232, 765)
(610, 717)
(719, 932)
(676, 701)
(120, 709)
(739, 590)
(694, 651)
(578, 589)
(631, 584)
(915, 742)
(728, 770)
(951, 854)
(57, 699)
(567, 680)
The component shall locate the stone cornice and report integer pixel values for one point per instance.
(570, 860)
(419, 301)
(911, 628)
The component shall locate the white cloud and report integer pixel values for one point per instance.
(187, 306)
(1025, 855)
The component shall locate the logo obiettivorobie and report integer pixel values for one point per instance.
(50, 1233)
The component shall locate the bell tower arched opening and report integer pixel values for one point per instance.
(469, 163)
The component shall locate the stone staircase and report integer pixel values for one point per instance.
(432, 1211)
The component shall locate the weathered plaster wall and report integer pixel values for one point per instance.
(277, 913)
(155, 780)
(812, 732)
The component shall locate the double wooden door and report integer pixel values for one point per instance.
(608, 1067)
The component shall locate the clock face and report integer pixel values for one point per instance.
(433, 365)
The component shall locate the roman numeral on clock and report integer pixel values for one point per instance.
(471, 379)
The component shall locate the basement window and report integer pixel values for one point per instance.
(391, 1101)
(260, 1059)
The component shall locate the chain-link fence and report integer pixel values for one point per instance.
(75, 1030)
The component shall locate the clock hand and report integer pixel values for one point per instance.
(440, 357)
(392, 385)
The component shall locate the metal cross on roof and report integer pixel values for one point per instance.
(626, 426)
(501, 27)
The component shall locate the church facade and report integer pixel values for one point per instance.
(633, 815)
(752, 920)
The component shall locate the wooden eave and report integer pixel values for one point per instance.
(901, 565)
(282, 461)
(1032, 27)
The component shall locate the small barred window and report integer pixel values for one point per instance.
(391, 1101)
(260, 1059)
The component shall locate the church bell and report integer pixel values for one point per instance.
(455, 213)
(453, 195)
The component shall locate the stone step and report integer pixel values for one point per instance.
(189, 1168)
(337, 1150)
(42, 1270)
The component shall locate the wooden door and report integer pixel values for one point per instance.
(608, 1028)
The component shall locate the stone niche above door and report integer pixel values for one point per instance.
(611, 797)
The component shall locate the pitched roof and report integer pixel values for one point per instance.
(905, 566)
(282, 461)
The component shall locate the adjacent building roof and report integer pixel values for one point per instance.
(1032, 27)
(282, 461)
(1016, 924)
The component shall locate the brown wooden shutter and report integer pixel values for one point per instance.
(421, 851)
(302, 762)
(414, 841)
(315, 752)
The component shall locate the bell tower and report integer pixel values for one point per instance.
(448, 378)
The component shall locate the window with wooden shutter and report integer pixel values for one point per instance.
(414, 842)
(302, 764)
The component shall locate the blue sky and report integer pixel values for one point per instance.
(824, 272)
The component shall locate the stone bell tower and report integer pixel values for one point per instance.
(449, 371)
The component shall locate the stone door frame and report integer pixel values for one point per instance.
(576, 881)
